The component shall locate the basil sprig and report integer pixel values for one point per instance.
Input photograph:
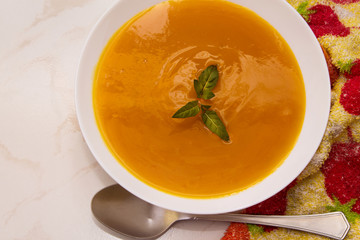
(203, 88)
(189, 110)
(214, 124)
(207, 81)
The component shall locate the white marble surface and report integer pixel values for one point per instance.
(47, 174)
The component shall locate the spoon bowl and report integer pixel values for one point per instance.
(124, 213)
(128, 215)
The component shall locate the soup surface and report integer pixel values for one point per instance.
(146, 74)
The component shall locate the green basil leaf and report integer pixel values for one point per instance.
(208, 80)
(208, 95)
(189, 110)
(198, 88)
(215, 125)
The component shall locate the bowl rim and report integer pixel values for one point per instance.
(313, 66)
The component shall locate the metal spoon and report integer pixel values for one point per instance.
(128, 215)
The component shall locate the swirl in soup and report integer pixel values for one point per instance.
(146, 73)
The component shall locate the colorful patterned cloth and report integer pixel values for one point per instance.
(331, 182)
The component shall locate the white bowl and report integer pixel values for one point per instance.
(317, 86)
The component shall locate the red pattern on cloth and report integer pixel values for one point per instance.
(324, 21)
(237, 231)
(355, 69)
(342, 173)
(276, 205)
(350, 96)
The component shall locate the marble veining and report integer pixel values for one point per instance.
(48, 175)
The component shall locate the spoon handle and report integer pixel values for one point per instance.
(333, 225)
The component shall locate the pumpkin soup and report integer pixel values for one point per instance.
(147, 71)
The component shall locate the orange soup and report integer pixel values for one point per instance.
(146, 73)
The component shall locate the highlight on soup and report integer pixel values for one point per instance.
(146, 73)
